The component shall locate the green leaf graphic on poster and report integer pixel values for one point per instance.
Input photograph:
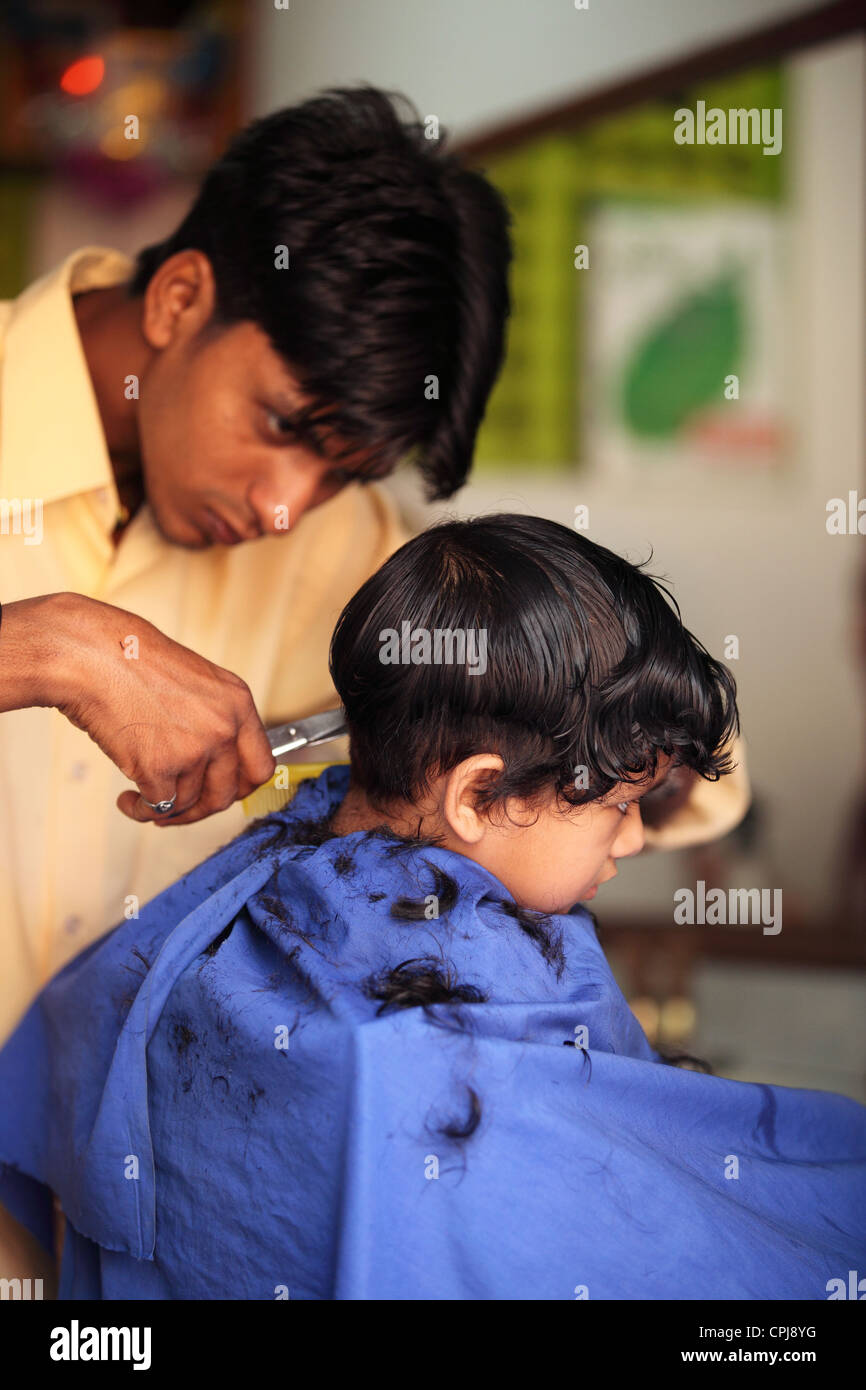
(681, 363)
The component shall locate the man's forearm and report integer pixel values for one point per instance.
(707, 812)
(31, 650)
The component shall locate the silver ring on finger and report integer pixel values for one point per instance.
(161, 807)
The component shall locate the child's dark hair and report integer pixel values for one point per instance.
(587, 668)
(392, 311)
(590, 675)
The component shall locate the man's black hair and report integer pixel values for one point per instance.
(392, 310)
(590, 675)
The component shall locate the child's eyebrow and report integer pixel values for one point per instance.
(661, 784)
(641, 792)
(637, 790)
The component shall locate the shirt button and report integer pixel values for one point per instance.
(71, 924)
(78, 772)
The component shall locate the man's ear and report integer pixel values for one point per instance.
(180, 299)
(462, 785)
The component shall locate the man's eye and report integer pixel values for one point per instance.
(280, 424)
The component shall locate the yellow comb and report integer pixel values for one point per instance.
(288, 738)
(277, 793)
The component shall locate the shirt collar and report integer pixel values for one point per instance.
(52, 443)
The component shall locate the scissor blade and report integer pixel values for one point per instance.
(305, 733)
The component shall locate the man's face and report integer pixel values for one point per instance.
(219, 465)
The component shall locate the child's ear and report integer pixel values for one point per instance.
(462, 785)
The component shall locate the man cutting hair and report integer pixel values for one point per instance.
(333, 303)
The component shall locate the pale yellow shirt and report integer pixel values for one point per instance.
(69, 860)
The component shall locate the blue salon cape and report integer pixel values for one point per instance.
(225, 1113)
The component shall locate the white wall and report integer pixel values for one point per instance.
(477, 62)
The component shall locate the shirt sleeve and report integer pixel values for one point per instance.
(711, 811)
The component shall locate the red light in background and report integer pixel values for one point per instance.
(83, 76)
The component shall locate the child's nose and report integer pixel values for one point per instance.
(631, 838)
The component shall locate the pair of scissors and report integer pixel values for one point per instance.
(290, 738)
(307, 733)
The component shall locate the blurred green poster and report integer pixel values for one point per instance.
(577, 187)
(685, 339)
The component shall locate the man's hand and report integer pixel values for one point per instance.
(175, 724)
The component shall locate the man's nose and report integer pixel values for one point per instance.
(278, 506)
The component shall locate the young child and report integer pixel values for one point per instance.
(373, 1050)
